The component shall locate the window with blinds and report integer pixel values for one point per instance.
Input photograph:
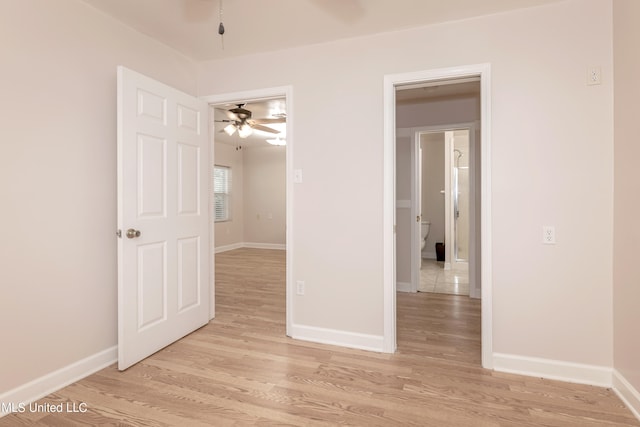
(222, 192)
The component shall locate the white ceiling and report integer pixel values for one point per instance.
(252, 26)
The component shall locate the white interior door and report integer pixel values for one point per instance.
(163, 249)
(416, 212)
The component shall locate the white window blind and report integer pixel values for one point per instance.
(222, 192)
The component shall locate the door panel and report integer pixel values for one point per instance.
(163, 251)
(189, 282)
(188, 172)
(152, 166)
(152, 284)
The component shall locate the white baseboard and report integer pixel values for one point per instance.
(627, 393)
(276, 246)
(56, 380)
(403, 287)
(250, 245)
(226, 248)
(600, 376)
(429, 255)
(336, 337)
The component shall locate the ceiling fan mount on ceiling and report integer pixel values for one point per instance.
(240, 120)
(240, 112)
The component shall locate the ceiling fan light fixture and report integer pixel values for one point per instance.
(245, 130)
(277, 141)
(230, 129)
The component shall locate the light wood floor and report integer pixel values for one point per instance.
(241, 370)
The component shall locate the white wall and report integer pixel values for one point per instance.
(258, 199)
(229, 233)
(265, 195)
(432, 183)
(58, 178)
(404, 218)
(546, 304)
(626, 275)
(439, 111)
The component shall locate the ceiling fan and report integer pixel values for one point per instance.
(239, 120)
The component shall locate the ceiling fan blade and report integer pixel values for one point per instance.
(268, 121)
(264, 128)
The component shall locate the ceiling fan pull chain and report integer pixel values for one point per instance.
(221, 26)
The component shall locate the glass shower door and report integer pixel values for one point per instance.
(461, 195)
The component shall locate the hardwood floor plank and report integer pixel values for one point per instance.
(241, 370)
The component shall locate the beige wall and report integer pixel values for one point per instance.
(258, 196)
(403, 210)
(552, 164)
(58, 178)
(626, 275)
(439, 111)
(231, 232)
(265, 194)
(432, 183)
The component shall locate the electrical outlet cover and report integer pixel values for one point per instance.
(548, 235)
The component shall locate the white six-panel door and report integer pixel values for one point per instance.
(163, 249)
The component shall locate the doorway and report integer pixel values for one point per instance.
(263, 97)
(447, 207)
(390, 224)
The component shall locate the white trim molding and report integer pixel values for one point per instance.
(578, 373)
(336, 337)
(276, 246)
(627, 393)
(226, 248)
(53, 381)
(404, 287)
(233, 246)
(429, 255)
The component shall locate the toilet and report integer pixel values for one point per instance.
(424, 232)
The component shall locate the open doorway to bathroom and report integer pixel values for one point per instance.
(445, 186)
(404, 116)
(437, 180)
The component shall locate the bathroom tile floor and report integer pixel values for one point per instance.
(434, 278)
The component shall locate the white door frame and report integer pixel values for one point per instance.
(259, 95)
(388, 232)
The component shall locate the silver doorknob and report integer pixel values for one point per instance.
(131, 233)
